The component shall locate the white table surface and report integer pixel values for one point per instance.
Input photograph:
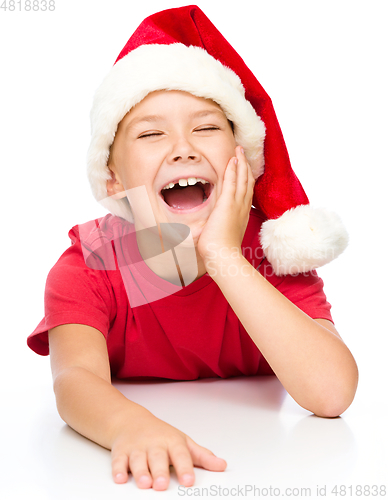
(267, 439)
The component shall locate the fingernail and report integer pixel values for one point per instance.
(120, 477)
(160, 481)
(235, 161)
(187, 478)
(242, 151)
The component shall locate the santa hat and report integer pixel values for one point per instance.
(180, 49)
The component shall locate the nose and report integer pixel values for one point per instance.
(184, 151)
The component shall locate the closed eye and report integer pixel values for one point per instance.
(207, 128)
(150, 134)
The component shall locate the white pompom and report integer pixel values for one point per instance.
(302, 239)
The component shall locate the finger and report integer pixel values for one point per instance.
(248, 180)
(230, 177)
(158, 463)
(183, 464)
(250, 188)
(251, 183)
(139, 469)
(205, 458)
(242, 174)
(120, 467)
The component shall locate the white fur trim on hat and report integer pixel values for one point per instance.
(167, 67)
(302, 239)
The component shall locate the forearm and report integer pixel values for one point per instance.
(93, 407)
(313, 364)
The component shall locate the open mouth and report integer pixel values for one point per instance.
(186, 194)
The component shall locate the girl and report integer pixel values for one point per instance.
(183, 136)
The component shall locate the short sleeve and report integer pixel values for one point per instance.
(305, 290)
(74, 293)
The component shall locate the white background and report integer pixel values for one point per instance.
(324, 64)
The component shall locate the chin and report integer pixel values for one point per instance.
(195, 228)
(196, 231)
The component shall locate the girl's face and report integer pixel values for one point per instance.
(171, 137)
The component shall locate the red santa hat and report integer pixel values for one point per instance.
(180, 49)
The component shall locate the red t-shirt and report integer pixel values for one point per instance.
(180, 333)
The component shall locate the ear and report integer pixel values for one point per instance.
(114, 187)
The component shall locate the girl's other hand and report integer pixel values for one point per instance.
(149, 447)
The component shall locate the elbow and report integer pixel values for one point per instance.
(331, 406)
(339, 397)
(332, 409)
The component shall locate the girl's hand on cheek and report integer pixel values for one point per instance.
(225, 228)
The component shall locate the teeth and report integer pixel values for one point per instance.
(191, 181)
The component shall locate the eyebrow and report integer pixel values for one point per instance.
(147, 118)
(160, 118)
(206, 112)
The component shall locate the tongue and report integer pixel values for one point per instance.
(184, 198)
